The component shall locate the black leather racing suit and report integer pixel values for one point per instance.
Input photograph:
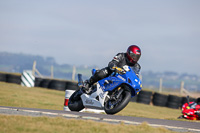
(118, 61)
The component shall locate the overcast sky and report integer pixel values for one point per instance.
(91, 32)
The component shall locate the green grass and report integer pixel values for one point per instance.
(149, 111)
(18, 96)
(26, 124)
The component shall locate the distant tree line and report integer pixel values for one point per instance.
(12, 62)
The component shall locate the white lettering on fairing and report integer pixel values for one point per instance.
(121, 78)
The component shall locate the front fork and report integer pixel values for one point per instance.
(120, 92)
(114, 98)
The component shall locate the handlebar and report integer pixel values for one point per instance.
(119, 70)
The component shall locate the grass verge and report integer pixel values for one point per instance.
(18, 96)
(149, 111)
(26, 124)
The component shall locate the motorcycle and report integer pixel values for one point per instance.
(190, 111)
(111, 94)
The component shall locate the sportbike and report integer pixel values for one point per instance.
(112, 94)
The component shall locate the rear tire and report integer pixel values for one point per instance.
(126, 96)
(75, 103)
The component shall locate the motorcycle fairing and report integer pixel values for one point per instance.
(129, 78)
(95, 100)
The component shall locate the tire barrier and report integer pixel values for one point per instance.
(174, 102)
(57, 85)
(10, 78)
(71, 85)
(38, 81)
(45, 83)
(27, 79)
(144, 97)
(193, 99)
(3, 77)
(170, 101)
(184, 100)
(159, 99)
(134, 99)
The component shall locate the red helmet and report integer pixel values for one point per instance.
(133, 53)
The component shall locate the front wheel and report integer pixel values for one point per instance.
(75, 103)
(117, 101)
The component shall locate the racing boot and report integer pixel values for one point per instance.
(86, 87)
(93, 79)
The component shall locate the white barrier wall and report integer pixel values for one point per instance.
(27, 79)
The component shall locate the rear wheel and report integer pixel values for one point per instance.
(75, 103)
(117, 101)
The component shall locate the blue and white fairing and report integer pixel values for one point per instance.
(115, 80)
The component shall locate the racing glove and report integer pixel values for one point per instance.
(119, 70)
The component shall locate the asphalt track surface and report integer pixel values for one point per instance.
(179, 126)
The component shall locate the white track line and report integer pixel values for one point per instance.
(102, 119)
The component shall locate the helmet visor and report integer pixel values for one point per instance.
(134, 56)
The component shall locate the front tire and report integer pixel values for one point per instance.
(118, 105)
(75, 103)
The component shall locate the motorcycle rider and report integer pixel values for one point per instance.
(129, 58)
(194, 108)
